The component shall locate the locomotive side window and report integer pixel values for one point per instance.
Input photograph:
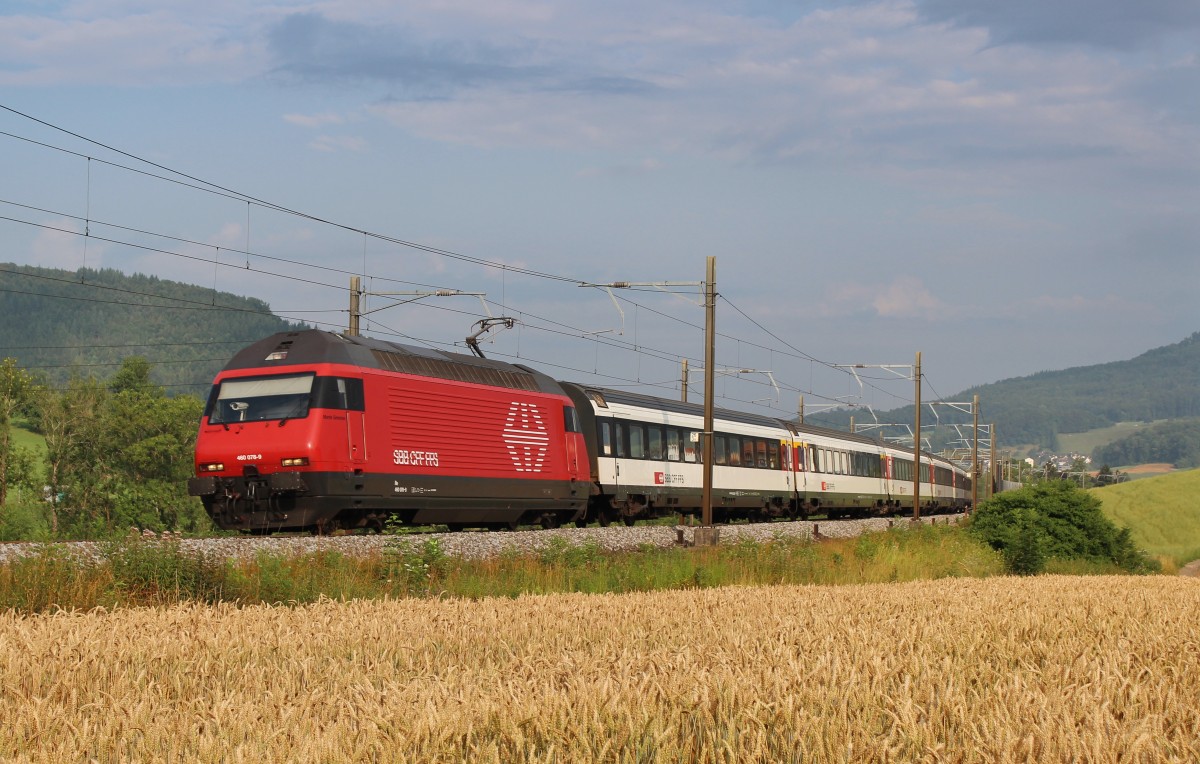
(261, 398)
(571, 419)
(343, 393)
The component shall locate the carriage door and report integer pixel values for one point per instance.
(573, 433)
(349, 396)
(356, 436)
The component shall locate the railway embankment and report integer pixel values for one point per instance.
(483, 544)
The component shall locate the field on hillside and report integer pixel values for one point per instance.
(1162, 513)
(31, 440)
(1085, 442)
(1098, 669)
(1139, 471)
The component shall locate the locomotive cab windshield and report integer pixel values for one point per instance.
(260, 399)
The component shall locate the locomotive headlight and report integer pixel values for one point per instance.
(211, 467)
(296, 461)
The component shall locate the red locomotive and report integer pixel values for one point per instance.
(317, 430)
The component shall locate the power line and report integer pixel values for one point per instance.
(223, 191)
(232, 250)
(280, 208)
(126, 345)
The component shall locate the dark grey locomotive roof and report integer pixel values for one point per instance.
(311, 346)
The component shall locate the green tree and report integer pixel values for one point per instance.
(70, 420)
(17, 387)
(152, 439)
(134, 374)
(120, 454)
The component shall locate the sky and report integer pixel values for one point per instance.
(1005, 188)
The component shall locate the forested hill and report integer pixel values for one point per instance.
(84, 322)
(1163, 383)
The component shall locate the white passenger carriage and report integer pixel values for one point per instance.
(646, 456)
(646, 461)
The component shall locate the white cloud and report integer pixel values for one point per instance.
(314, 120)
(903, 297)
(68, 251)
(332, 143)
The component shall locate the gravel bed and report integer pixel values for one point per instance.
(481, 544)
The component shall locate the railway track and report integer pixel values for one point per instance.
(473, 544)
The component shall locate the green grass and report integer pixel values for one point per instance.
(1162, 513)
(137, 571)
(31, 440)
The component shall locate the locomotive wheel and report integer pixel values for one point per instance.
(329, 527)
(603, 518)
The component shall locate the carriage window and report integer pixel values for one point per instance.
(689, 448)
(619, 442)
(747, 453)
(773, 454)
(673, 454)
(606, 439)
(816, 460)
(637, 441)
(719, 450)
(654, 442)
(735, 451)
(801, 458)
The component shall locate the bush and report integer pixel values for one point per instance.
(1026, 556)
(153, 568)
(1054, 520)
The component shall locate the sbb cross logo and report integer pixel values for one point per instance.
(526, 437)
(660, 478)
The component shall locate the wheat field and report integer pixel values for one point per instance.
(1100, 669)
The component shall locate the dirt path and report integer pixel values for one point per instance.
(1191, 569)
